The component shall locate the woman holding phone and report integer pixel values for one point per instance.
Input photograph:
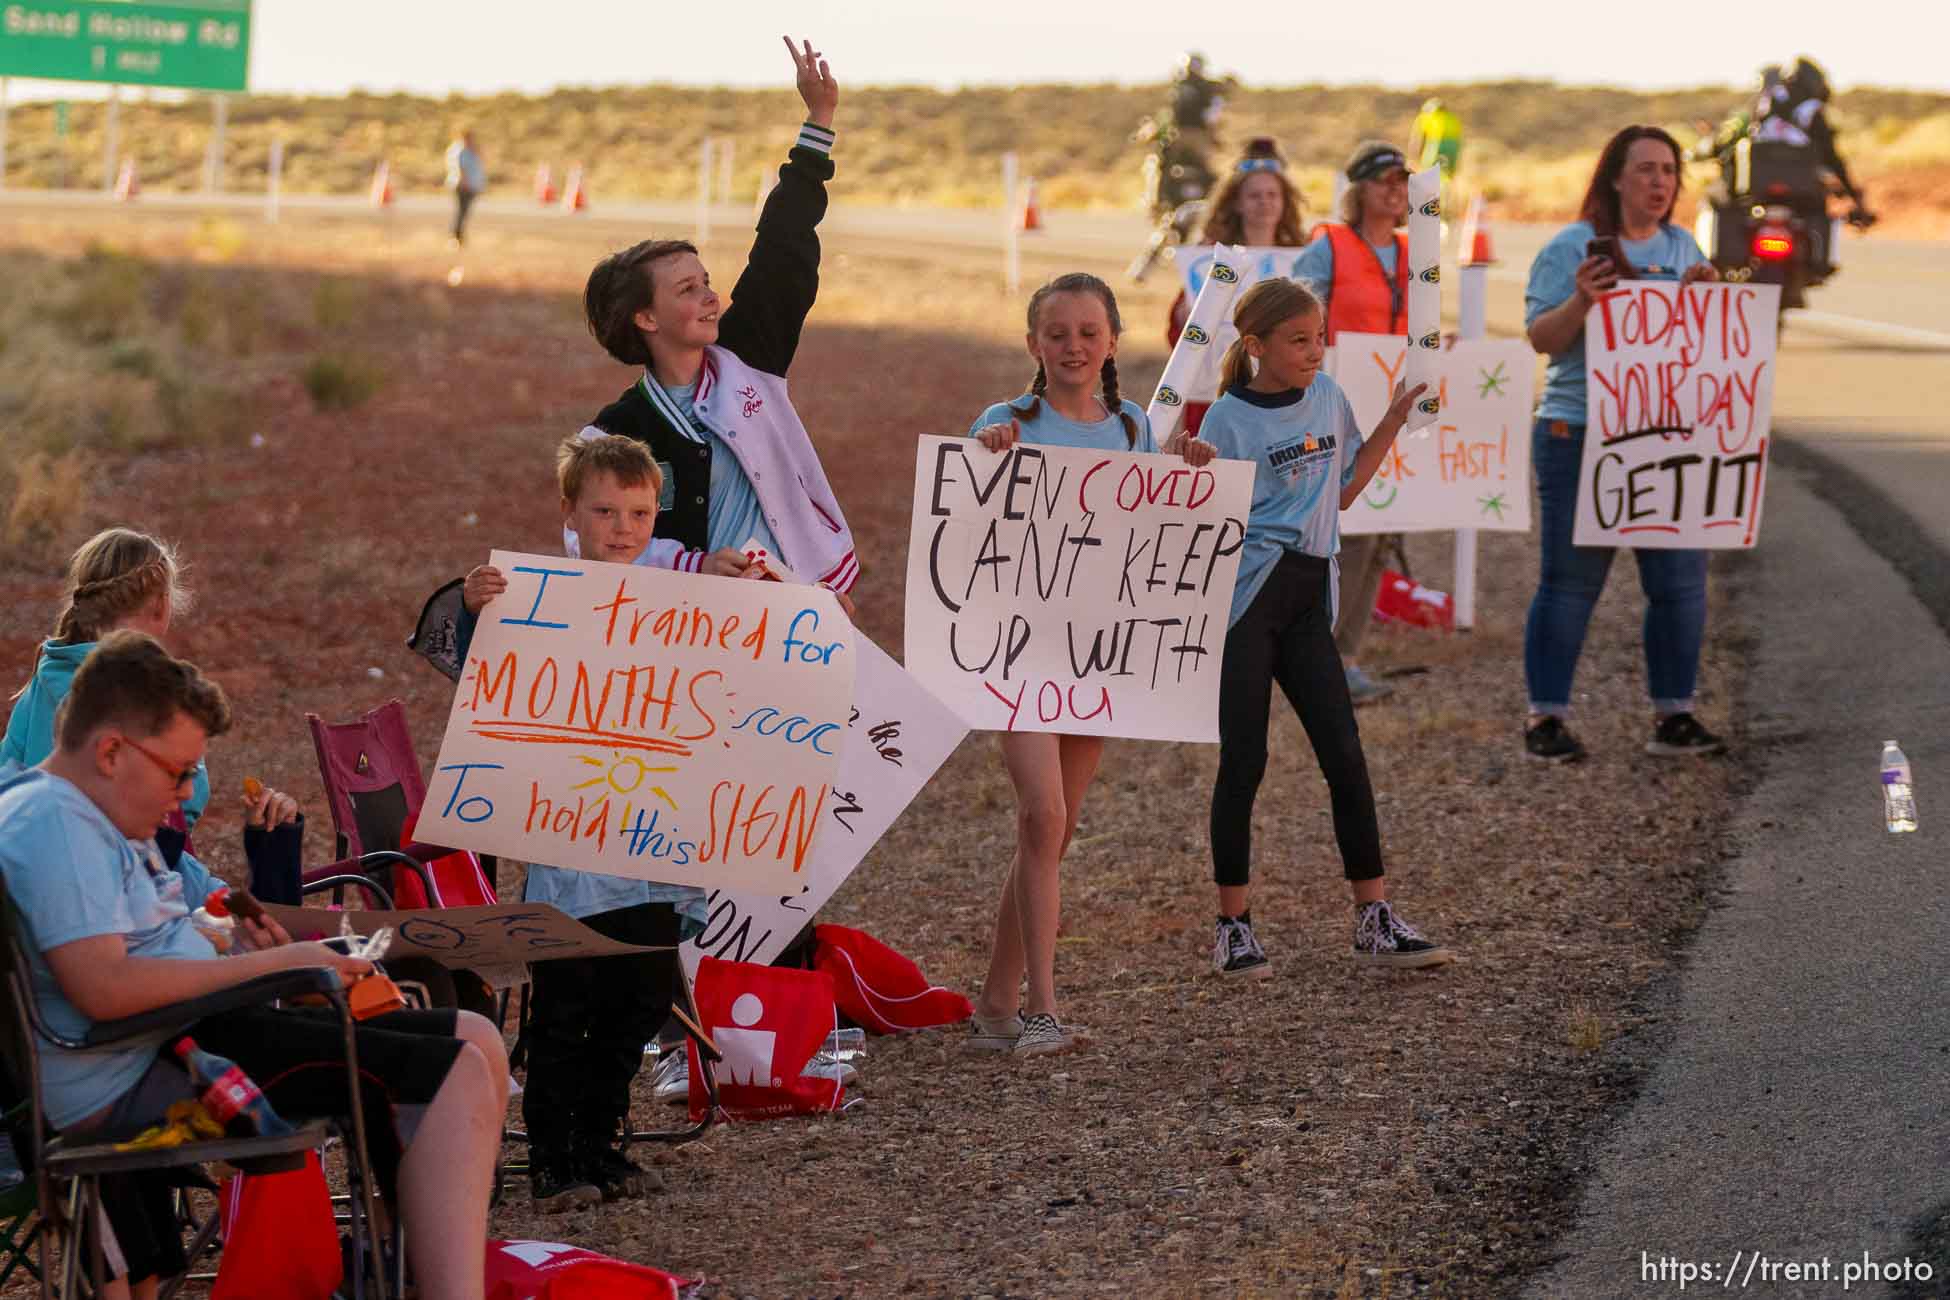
(1624, 230)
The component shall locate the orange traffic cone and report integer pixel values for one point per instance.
(573, 199)
(1031, 217)
(544, 186)
(1474, 242)
(382, 185)
(126, 184)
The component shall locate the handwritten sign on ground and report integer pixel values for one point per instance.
(468, 938)
(899, 735)
(644, 723)
(1059, 589)
(1252, 266)
(1471, 467)
(1680, 397)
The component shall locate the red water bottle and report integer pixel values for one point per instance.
(230, 1095)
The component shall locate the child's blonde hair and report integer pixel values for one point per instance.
(1260, 311)
(115, 575)
(626, 460)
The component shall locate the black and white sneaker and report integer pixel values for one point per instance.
(1383, 939)
(1043, 1035)
(1551, 741)
(1236, 950)
(1679, 735)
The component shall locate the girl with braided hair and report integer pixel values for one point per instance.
(1072, 402)
(118, 579)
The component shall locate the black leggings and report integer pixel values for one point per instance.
(1287, 635)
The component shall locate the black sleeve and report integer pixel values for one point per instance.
(1822, 136)
(770, 302)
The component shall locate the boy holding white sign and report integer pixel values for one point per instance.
(590, 1016)
(1312, 462)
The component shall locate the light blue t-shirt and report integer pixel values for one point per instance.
(73, 876)
(1048, 429)
(1302, 444)
(1316, 266)
(1554, 278)
(736, 517)
(30, 727)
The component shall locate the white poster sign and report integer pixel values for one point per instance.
(1471, 468)
(644, 723)
(1060, 589)
(898, 737)
(1680, 396)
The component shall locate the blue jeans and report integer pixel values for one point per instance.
(1571, 577)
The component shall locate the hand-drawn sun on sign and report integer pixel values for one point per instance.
(625, 773)
(1494, 503)
(1492, 381)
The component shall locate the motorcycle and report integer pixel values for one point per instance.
(1774, 226)
(1177, 180)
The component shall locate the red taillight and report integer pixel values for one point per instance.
(1773, 244)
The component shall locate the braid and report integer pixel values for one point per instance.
(1115, 404)
(112, 578)
(1037, 387)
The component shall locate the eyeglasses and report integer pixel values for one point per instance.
(177, 779)
(1260, 165)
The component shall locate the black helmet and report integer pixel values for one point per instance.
(1806, 80)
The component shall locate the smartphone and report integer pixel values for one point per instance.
(1598, 248)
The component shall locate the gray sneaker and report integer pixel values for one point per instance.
(985, 1035)
(1363, 689)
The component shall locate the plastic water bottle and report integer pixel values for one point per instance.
(1898, 801)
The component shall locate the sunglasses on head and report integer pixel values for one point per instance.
(1260, 165)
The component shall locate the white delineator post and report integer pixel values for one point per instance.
(274, 180)
(704, 189)
(109, 140)
(213, 159)
(1472, 311)
(1011, 249)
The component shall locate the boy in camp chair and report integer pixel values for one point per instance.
(108, 936)
(591, 1016)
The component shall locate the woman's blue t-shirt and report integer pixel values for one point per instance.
(1554, 278)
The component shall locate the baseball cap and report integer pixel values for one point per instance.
(1373, 159)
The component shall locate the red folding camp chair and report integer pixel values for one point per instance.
(373, 784)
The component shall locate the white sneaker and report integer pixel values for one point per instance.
(670, 1082)
(985, 1035)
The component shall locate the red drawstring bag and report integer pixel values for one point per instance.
(279, 1237)
(767, 1021)
(1401, 600)
(549, 1270)
(879, 989)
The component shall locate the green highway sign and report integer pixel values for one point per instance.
(199, 44)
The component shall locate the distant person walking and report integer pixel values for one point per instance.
(1624, 231)
(466, 177)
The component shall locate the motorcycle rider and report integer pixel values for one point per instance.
(1792, 138)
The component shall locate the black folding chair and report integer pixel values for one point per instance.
(80, 1165)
